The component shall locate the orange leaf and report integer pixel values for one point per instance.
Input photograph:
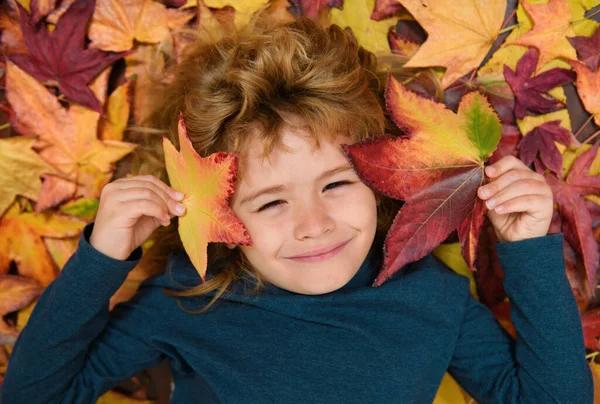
(588, 83)
(117, 23)
(551, 26)
(460, 33)
(16, 292)
(21, 241)
(207, 184)
(68, 140)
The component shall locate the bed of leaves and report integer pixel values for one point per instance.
(73, 79)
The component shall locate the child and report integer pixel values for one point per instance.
(295, 318)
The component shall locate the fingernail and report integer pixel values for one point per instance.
(179, 208)
(178, 195)
(491, 203)
(490, 170)
(485, 192)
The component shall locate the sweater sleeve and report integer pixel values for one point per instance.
(73, 349)
(546, 363)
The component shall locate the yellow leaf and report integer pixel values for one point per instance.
(531, 121)
(370, 34)
(20, 170)
(112, 397)
(450, 392)
(117, 113)
(450, 254)
(460, 33)
(207, 184)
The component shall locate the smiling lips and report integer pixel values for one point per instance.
(320, 254)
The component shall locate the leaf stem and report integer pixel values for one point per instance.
(411, 78)
(592, 14)
(509, 28)
(583, 126)
(508, 19)
(589, 139)
(5, 126)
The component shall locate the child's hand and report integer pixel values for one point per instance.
(519, 200)
(130, 210)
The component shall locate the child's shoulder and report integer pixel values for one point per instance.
(431, 280)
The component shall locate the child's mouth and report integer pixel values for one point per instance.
(323, 256)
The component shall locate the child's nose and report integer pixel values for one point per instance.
(313, 221)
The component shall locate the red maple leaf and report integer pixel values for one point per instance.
(577, 220)
(541, 139)
(436, 171)
(531, 92)
(588, 49)
(60, 58)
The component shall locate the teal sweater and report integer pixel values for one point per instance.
(358, 344)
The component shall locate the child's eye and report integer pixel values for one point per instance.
(336, 184)
(268, 205)
(328, 186)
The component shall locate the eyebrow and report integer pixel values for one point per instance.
(281, 188)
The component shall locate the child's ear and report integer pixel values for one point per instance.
(231, 246)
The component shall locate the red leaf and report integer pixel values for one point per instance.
(469, 231)
(588, 49)
(578, 176)
(311, 8)
(437, 171)
(577, 220)
(541, 139)
(530, 92)
(508, 145)
(386, 9)
(60, 58)
(591, 329)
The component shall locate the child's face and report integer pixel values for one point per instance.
(314, 211)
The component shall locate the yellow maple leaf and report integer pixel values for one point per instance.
(117, 23)
(207, 184)
(370, 34)
(20, 170)
(460, 33)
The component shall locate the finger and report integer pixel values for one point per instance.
(172, 193)
(503, 165)
(525, 204)
(498, 184)
(146, 193)
(517, 189)
(147, 207)
(172, 205)
(160, 184)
